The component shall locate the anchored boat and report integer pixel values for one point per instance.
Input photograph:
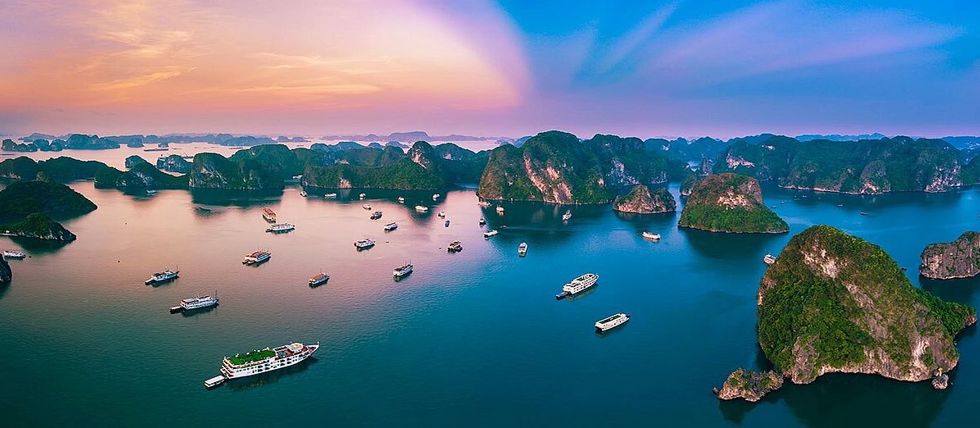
(13, 254)
(435, 196)
(611, 322)
(567, 216)
(769, 259)
(366, 206)
(376, 215)
(193, 303)
(318, 279)
(257, 258)
(500, 210)
(421, 209)
(522, 249)
(401, 200)
(269, 215)
(490, 233)
(262, 361)
(442, 214)
(454, 247)
(402, 271)
(577, 285)
(363, 244)
(281, 228)
(651, 236)
(391, 226)
(484, 204)
(162, 277)
(361, 196)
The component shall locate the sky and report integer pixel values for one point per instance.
(496, 68)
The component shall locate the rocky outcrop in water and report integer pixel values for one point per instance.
(174, 163)
(640, 200)
(39, 226)
(729, 203)
(6, 275)
(949, 260)
(134, 160)
(749, 386)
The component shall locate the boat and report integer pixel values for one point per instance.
(567, 216)
(269, 215)
(361, 196)
(263, 361)
(13, 254)
(455, 247)
(318, 279)
(330, 195)
(435, 196)
(864, 213)
(376, 215)
(484, 204)
(421, 209)
(442, 214)
(769, 259)
(303, 193)
(401, 200)
(447, 223)
(577, 285)
(522, 249)
(500, 210)
(150, 192)
(281, 228)
(162, 277)
(213, 382)
(200, 302)
(257, 258)
(651, 235)
(363, 244)
(366, 206)
(611, 322)
(483, 221)
(391, 226)
(402, 271)
(490, 233)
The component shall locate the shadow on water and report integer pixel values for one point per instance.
(201, 311)
(868, 203)
(731, 246)
(649, 222)
(238, 198)
(271, 377)
(539, 222)
(38, 246)
(962, 290)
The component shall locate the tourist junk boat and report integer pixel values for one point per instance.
(567, 216)
(421, 209)
(193, 303)
(401, 200)
(13, 254)
(361, 196)
(522, 249)
(363, 244)
(391, 226)
(161, 277)
(483, 221)
(257, 258)
(435, 196)
(490, 233)
(318, 279)
(651, 236)
(262, 361)
(281, 228)
(442, 214)
(269, 215)
(500, 210)
(455, 247)
(611, 322)
(376, 215)
(577, 285)
(769, 259)
(402, 271)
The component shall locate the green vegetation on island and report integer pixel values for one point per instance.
(729, 203)
(27, 209)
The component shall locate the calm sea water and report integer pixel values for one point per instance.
(474, 338)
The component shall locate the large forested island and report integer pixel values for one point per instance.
(836, 303)
(730, 203)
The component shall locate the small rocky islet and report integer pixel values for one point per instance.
(951, 260)
(729, 203)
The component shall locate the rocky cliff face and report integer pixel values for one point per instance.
(174, 163)
(835, 303)
(729, 203)
(750, 386)
(640, 200)
(957, 259)
(6, 275)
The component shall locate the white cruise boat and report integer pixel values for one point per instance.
(266, 360)
(391, 226)
(567, 216)
(362, 196)
(330, 196)
(522, 249)
(161, 277)
(257, 257)
(611, 322)
(401, 200)
(13, 254)
(318, 279)
(490, 233)
(578, 285)
(442, 214)
(281, 228)
(363, 244)
(303, 193)
(500, 210)
(436, 196)
(421, 209)
(366, 206)
(376, 215)
(402, 271)
(193, 303)
(769, 259)
(651, 236)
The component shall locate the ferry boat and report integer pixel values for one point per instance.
(769, 259)
(500, 210)
(483, 221)
(362, 196)
(490, 233)
(421, 209)
(269, 215)
(522, 249)
(611, 322)
(435, 196)
(577, 285)
(330, 195)
(366, 206)
(193, 303)
(402, 271)
(442, 214)
(262, 361)
(363, 244)
(13, 254)
(161, 277)
(281, 228)
(391, 226)
(376, 215)
(318, 279)
(257, 258)
(651, 235)
(401, 200)
(455, 247)
(567, 216)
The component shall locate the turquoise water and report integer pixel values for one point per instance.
(474, 338)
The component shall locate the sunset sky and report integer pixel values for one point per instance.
(510, 68)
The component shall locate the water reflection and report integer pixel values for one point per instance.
(732, 246)
(269, 378)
